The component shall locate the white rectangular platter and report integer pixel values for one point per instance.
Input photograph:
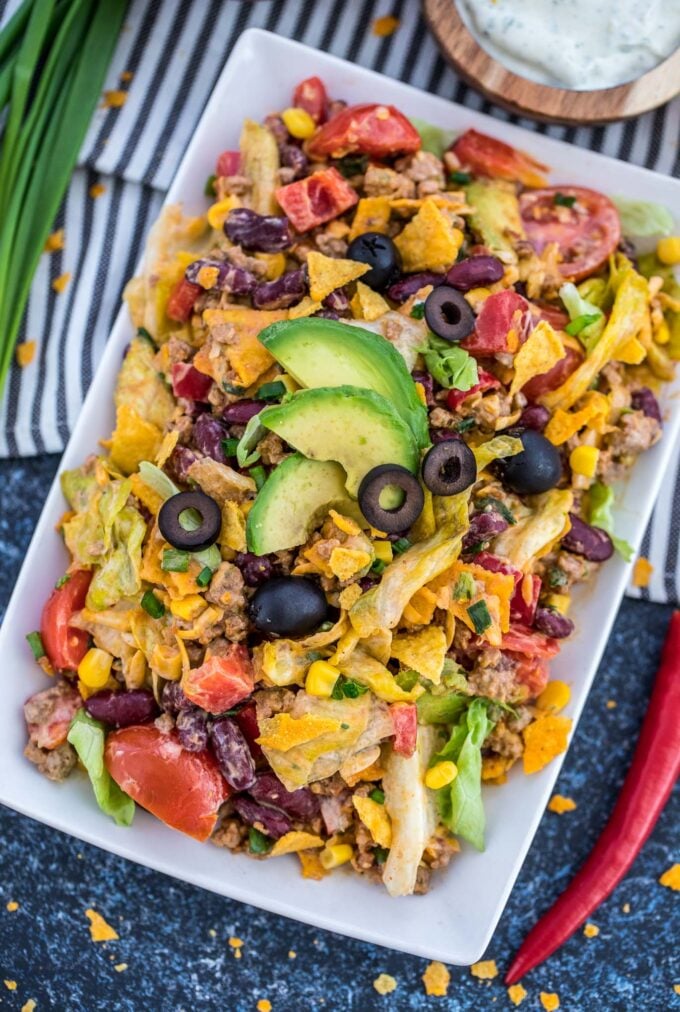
(455, 921)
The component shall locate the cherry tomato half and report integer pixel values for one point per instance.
(317, 198)
(65, 646)
(181, 301)
(487, 156)
(377, 130)
(182, 789)
(495, 321)
(405, 720)
(221, 681)
(586, 233)
(311, 96)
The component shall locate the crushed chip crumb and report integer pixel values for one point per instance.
(11, 985)
(386, 25)
(484, 970)
(59, 284)
(96, 190)
(292, 954)
(436, 980)
(54, 241)
(235, 943)
(671, 878)
(212, 932)
(100, 930)
(560, 804)
(591, 930)
(126, 75)
(549, 1000)
(119, 967)
(28, 1006)
(25, 353)
(642, 572)
(611, 704)
(626, 908)
(517, 994)
(264, 1005)
(676, 988)
(12, 906)
(385, 984)
(544, 739)
(114, 99)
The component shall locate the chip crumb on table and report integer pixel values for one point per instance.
(60, 284)
(559, 804)
(549, 1000)
(25, 353)
(486, 969)
(55, 241)
(120, 967)
(591, 930)
(264, 1005)
(12, 905)
(611, 704)
(28, 1006)
(671, 878)
(436, 979)
(517, 994)
(114, 99)
(11, 985)
(96, 190)
(100, 929)
(386, 25)
(385, 984)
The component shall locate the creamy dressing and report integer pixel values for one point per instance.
(579, 44)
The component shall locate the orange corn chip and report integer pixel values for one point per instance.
(544, 739)
(642, 572)
(436, 980)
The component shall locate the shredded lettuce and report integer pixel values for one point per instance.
(87, 737)
(434, 139)
(537, 530)
(601, 503)
(587, 319)
(189, 519)
(452, 366)
(445, 709)
(643, 217)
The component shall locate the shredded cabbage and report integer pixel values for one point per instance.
(643, 217)
(535, 533)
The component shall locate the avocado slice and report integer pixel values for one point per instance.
(354, 427)
(293, 500)
(322, 353)
(496, 221)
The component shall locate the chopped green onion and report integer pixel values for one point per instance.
(498, 505)
(204, 577)
(233, 388)
(406, 679)
(259, 476)
(461, 178)
(62, 580)
(418, 311)
(479, 613)
(464, 587)
(258, 843)
(36, 644)
(381, 854)
(151, 605)
(378, 567)
(325, 626)
(401, 545)
(467, 423)
(556, 577)
(581, 322)
(475, 549)
(143, 332)
(229, 446)
(175, 561)
(347, 688)
(562, 200)
(209, 188)
(271, 391)
(378, 795)
(352, 165)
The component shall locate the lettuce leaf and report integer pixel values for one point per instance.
(87, 737)
(643, 217)
(443, 709)
(452, 366)
(460, 802)
(601, 503)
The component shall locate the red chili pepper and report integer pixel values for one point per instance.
(646, 789)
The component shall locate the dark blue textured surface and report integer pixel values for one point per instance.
(174, 937)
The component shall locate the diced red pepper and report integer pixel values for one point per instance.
(228, 163)
(520, 610)
(246, 718)
(317, 198)
(455, 398)
(405, 720)
(495, 320)
(181, 302)
(311, 96)
(188, 382)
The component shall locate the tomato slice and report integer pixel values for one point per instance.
(377, 130)
(188, 382)
(228, 163)
(182, 789)
(65, 646)
(487, 156)
(495, 321)
(532, 672)
(311, 96)
(586, 233)
(522, 640)
(317, 198)
(405, 720)
(181, 301)
(521, 610)
(222, 680)
(555, 377)
(455, 398)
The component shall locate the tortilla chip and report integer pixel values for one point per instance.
(284, 732)
(367, 304)
(247, 357)
(349, 596)
(559, 804)
(554, 697)
(233, 532)
(544, 739)
(307, 307)
(328, 273)
(424, 651)
(133, 440)
(347, 562)
(375, 818)
(565, 424)
(294, 842)
(421, 607)
(495, 766)
(311, 865)
(436, 980)
(429, 242)
(372, 215)
(539, 353)
(146, 495)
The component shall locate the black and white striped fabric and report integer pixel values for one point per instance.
(175, 50)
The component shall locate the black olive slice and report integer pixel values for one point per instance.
(448, 315)
(288, 606)
(381, 255)
(449, 467)
(391, 521)
(537, 468)
(172, 529)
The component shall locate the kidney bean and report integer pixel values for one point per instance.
(265, 233)
(122, 709)
(644, 400)
(427, 382)
(192, 725)
(173, 699)
(293, 157)
(232, 754)
(483, 527)
(232, 279)
(180, 461)
(282, 292)
(475, 272)
(409, 284)
(246, 718)
(300, 804)
(591, 542)
(277, 127)
(207, 434)
(327, 314)
(241, 412)
(337, 301)
(534, 416)
(275, 822)
(553, 624)
(367, 582)
(255, 569)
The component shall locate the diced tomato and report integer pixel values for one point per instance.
(487, 156)
(181, 302)
(182, 789)
(586, 233)
(520, 610)
(228, 163)
(523, 640)
(405, 720)
(377, 130)
(557, 318)
(246, 718)
(311, 96)
(221, 681)
(54, 709)
(532, 672)
(189, 382)
(495, 321)
(555, 377)
(64, 645)
(455, 398)
(497, 565)
(317, 198)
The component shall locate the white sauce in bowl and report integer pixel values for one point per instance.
(578, 44)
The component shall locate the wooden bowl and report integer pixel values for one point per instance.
(540, 101)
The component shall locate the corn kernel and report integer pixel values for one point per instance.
(668, 250)
(440, 775)
(560, 602)
(662, 334)
(299, 123)
(383, 551)
(95, 668)
(321, 678)
(335, 855)
(188, 607)
(583, 460)
(217, 213)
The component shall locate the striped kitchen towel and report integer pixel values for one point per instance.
(168, 58)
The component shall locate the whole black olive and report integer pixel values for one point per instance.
(536, 469)
(448, 315)
(288, 606)
(187, 536)
(373, 484)
(449, 467)
(382, 256)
